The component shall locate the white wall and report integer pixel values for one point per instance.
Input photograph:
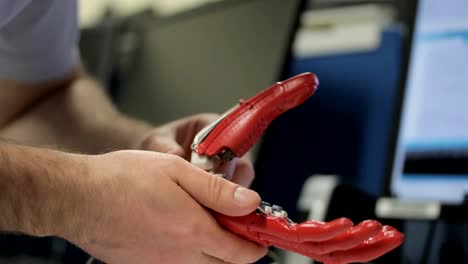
(90, 11)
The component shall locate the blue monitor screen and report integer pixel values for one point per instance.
(432, 153)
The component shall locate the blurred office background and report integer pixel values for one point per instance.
(357, 49)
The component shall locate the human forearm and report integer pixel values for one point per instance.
(15, 97)
(38, 189)
(123, 207)
(77, 117)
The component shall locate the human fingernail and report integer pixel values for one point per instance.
(244, 195)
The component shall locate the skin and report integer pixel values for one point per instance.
(69, 167)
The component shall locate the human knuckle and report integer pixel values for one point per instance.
(249, 172)
(175, 160)
(197, 230)
(245, 163)
(215, 187)
(189, 232)
(170, 163)
(150, 141)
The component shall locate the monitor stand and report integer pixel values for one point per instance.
(395, 208)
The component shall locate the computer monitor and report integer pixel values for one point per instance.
(431, 152)
(206, 59)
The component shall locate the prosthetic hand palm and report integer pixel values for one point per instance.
(234, 133)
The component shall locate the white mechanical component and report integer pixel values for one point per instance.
(202, 162)
(274, 210)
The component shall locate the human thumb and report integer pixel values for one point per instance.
(216, 193)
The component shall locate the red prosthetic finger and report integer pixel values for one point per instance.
(296, 234)
(300, 248)
(314, 231)
(269, 230)
(386, 240)
(274, 229)
(353, 237)
(388, 228)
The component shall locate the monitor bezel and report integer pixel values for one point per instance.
(408, 17)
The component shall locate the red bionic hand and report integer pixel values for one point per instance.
(234, 134)
(334, 242)
(240, 129)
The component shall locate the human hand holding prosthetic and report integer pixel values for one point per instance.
(146, 207)
(176, 138)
